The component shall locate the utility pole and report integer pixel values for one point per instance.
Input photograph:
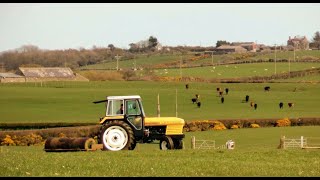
(176, 102)
(158, 110)
(294, 53)
(212, 58)
(180, 66)
(289, 67)
(275, 58)
(117, 57)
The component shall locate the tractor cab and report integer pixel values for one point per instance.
(128, 108)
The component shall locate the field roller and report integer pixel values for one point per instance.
(63, 144)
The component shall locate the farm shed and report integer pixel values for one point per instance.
(249, 46)
(33, 74)
(230, 49)
(11, 77)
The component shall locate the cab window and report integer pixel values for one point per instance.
(115, 107)
(133, 107)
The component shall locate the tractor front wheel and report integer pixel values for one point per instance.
(178, 143)
(166, 143)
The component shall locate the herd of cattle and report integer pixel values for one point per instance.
(196, 99)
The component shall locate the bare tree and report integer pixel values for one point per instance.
(316, 40)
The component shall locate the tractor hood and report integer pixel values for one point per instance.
(159, 121)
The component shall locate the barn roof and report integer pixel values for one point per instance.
(230, 47)
(47, 72)
(10, 75)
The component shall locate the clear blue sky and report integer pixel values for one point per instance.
(63, 26)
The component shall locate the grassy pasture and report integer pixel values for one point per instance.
(255, 155)
(72, 101)
(140, 61)
(309, 78)
(237, 70)
(263, 56)
(167, 58)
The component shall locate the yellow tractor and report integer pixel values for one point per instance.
(125, 124)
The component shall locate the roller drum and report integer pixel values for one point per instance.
(56, 144)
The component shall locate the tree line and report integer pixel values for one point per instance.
(33, 56)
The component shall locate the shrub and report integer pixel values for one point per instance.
(254, 126)
(129, 74)
(283, 122)
(102, 75)
(61, 135)
(31, 139)
(7, 141)
(26, 140)
(218, 125)
(234, 127)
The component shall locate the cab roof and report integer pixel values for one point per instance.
(123, 97)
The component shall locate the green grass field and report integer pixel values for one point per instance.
(255, 155)
(309, 78)
(237, 70)
(137, 62)
(72, 101)
(167, 58)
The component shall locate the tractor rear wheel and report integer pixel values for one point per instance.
(117, 135)
(166, 143)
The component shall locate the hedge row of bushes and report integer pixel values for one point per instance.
(204, 125)
(34, 137)
(24, 126)
(253, 79)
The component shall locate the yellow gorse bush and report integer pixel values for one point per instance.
(283, 122)
(254, 126)
(27, 140)
(7, 141)
(203, 125)
(218, 125)
(234, 127)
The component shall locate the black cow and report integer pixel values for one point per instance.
(194, 100)
(247, 98)
(267, 88)
(255, 106)
(199, 104)
(187, 86)
(222, 100)
(290, 105)
(227, 90)
(281, 105)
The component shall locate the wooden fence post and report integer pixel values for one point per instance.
(301, 142)
(282, 145)
(193, 142)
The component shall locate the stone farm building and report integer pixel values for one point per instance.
(39, 74)
(249, 46)
(11, 77)
(33, 74)
(230, 49)
(298, 42)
